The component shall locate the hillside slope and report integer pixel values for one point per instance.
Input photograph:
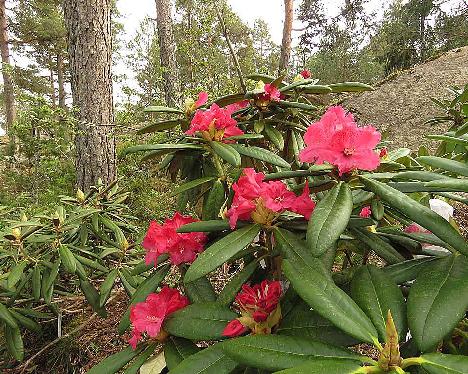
(402, 104)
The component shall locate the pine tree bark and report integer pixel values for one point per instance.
(8, 90)
(287, 30)
(61, 81)
(167, 52)
(90, 50)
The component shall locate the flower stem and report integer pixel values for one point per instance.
(411, 361)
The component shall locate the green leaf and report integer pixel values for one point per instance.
(149, 285)
(261, 154)
(14, 342)
(316, 89)
(15, 274)
(214, 202)
(114, 363)
(277, 352)
(442, 287)
(275, 136)
(329, 219)
(329, 301)
(457, 167)
(298, 83)
(200, 291)
(67, 258)
(378, 245)
(162, 109)
(376, 294)
(36, 282)
(106, 286)
(230, 290)
(211, 360)
(205, 226)
(350, 87)
(92, 296)
(140, 360)
(204, 321)
(328, 365)
(407, 270)
(6, 317)
(449, 184)
(159, 126)
(52, 275)
(303, 322)
(419, 214)
(25, 321)
(221, 251)
(227, 152)
(229, 99)
(192, 184)
(245, 137)
(159, 147)
(438, 363)
(377, 209)
(177, 350)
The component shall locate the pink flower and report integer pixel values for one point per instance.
(304, 205)
(337, 139)
(306, 74)
(148, 316)
(270, 93)
(202, 99)
(260, 309)
(237, 106)
(265, 201)
(182, 248)
(365, 212)
(214, 123)
(234, 328)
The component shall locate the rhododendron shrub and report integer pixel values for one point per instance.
(301, 245)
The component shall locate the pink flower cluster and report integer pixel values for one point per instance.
(182, 248)
(270, 93)
(365, 212)
(337, 139)
(148, 316)
(258, 305)
(264, 201)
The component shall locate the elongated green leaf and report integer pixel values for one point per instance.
(449, 184)
(162, 109)
(316, 89)
(134, 368)
(211, 360)
(149, 285)
(293, 104)
(329, 301)
(229, 99)
(350, 87)
(376, 294)
(442, 287)
(205, 226)
(200, 291)
(298, 83)
(25, 321)
(419, 214)
(277, 352)
(92, 296)
(379, 246)
(438, 363)
(204, 321)
(408, 270)
(6, 317)
(275, 136)
(67, 258)
(15, 273)
(159, 147)
(245, 137)
(304, 322)
(159, 126)
(261, 154)
(14, 342)
(36, 282)
(214, 202)
(192, 184)
(227, 153)
(106, 287)
(177, 350)
(231, 289)
(221, 251)
(328, 365)
(52, 275)
(329, 219)
(445, 164)
(114, 363)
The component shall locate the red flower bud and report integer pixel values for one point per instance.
(234, 328)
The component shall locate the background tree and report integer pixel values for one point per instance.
(90, 51)
(287, 30)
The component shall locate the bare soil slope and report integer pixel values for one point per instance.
(402, 104)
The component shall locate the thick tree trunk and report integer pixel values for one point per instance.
(61, 81)
(287, 29)
(8, 92)
(90, 49)
(167, 51)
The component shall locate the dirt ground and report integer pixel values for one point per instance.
(401, 104)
